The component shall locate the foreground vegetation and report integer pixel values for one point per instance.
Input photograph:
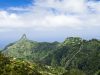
(9, 66)
(13, 66)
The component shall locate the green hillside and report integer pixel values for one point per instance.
(74, 56)
(16, 67)
(13, 66)
(78, 54)
(29, 50)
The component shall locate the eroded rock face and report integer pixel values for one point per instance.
(24, 37)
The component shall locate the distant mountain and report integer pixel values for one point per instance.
(29, 50)
(73, 53)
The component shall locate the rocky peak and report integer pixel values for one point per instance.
(24, 37)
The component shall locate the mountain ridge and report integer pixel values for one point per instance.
(67, 54)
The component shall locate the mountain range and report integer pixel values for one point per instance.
(74, 54)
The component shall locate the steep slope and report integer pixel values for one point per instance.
(21, 48)
(77, 53)
(64, 51)
(29, 50)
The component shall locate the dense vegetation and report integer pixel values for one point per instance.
(13, 66)
(78, 54)
(10, 66)
(74, 56)
(27, 49)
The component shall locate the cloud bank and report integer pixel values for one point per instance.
(80, 16)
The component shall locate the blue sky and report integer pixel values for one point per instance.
(49, 20)
(14, 3)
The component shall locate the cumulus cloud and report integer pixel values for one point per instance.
(94, 6)
(9, 20)
(63, 6)
(52, 14)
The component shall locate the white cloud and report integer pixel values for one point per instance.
(76, 6)
(73, 14)
(18, 9)
(9, 20)
(95, 6)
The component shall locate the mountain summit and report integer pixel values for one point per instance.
(21, 48)
(28, 49)
(24, 37)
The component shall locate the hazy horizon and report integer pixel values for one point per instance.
(45, 39)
